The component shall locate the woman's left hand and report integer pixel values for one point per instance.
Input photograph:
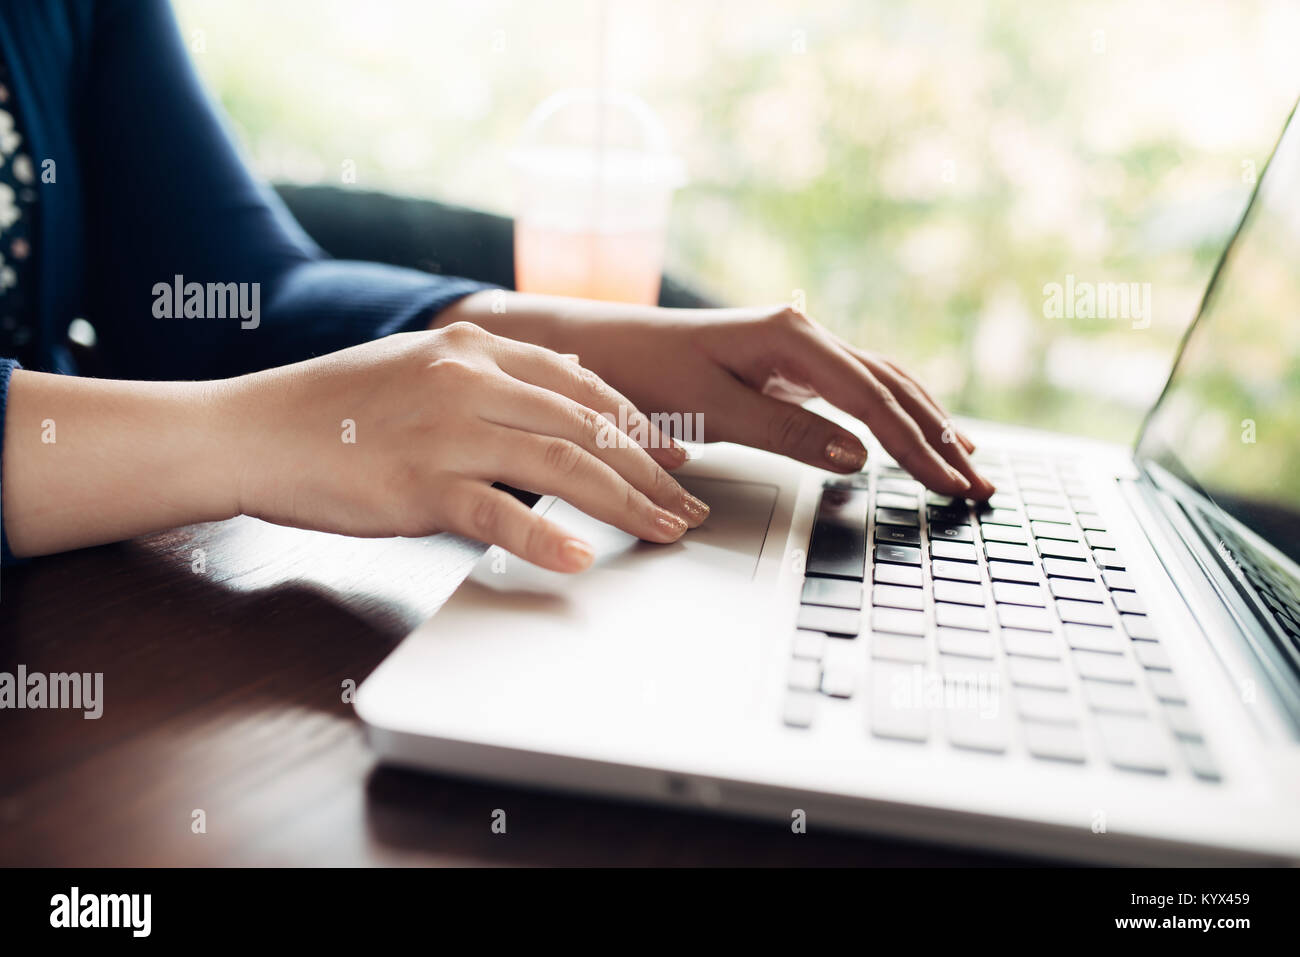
(746, 372)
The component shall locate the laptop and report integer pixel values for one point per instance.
(1101, 663)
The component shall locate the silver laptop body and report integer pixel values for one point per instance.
(1101, 664)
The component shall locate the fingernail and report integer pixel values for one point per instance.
(846, 454)
(963, 483)
(695, 510)
(678, 453)
(670, 525)
(576, 554)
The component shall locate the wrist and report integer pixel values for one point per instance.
(560, 323)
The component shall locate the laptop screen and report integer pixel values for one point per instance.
(1228, 423)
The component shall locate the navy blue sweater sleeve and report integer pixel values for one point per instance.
(168, 196)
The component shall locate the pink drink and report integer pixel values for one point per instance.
(614, 267)
(595, 181)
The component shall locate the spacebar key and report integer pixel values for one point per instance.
(839, 540)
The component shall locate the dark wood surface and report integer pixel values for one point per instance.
(223, 692)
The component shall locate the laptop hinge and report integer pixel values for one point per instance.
(1238, 639)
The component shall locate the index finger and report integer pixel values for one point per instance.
(847, 384)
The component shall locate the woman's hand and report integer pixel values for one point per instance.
(405, 436)
(746, 371)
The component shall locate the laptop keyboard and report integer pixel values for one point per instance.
(1010, 626)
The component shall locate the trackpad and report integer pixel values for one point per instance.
(728, 543)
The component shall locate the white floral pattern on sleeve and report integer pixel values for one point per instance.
(17, 224)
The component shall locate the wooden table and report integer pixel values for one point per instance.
(224, 650)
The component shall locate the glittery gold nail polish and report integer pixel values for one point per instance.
(845, 453)
(695, 510)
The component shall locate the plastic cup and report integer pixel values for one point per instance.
(595, 178)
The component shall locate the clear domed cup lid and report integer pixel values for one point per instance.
(605, 137)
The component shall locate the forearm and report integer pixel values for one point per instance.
(88, 461)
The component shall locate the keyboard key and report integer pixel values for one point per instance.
(1054, 742)
(800, 709)
(949, 515)
(1138, 627)
(1014, 572)
(909, 487)
(1134, 744)
(838, 681)
(953, 551)
(833, 621)
(957, 571)
(1022, 616)
(1051, 548)
(809, 644)
(1003, 500)
(1077, 590)
(1044, 513)
(1011, 593)
(1102, 667)
(1037, 497)
(897, 535)
(1100, 539)
(1031, 644)
(1109, 558)
(1005, 552)
(1165, 686)
(961, 616)
(898, 621)
(1038, 483)
(1198, 758)
(854, 480)
(1001, 516)
(1065, 568)
(894, 516)
(967, 644)
(897, 575)
(838, 546)
(836, 592)
(951, 533)
(1110, 697)
(1038, 673)
(1092, 638)
(898, 596)
(968, 671)
(1004, 533)
(1037, 704)
(1064, 533)
(804, 675)
(1129, 603)
(895, 711)
(1182, 722)
(895, 500)
(901, 554)
(963, 593)
(1090, 521)
(1083, 612)
(1152, 656)
(978, 723)
(898, 648)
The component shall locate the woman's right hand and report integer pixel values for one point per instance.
(405, 436)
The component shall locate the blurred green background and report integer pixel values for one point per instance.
(919, 170)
